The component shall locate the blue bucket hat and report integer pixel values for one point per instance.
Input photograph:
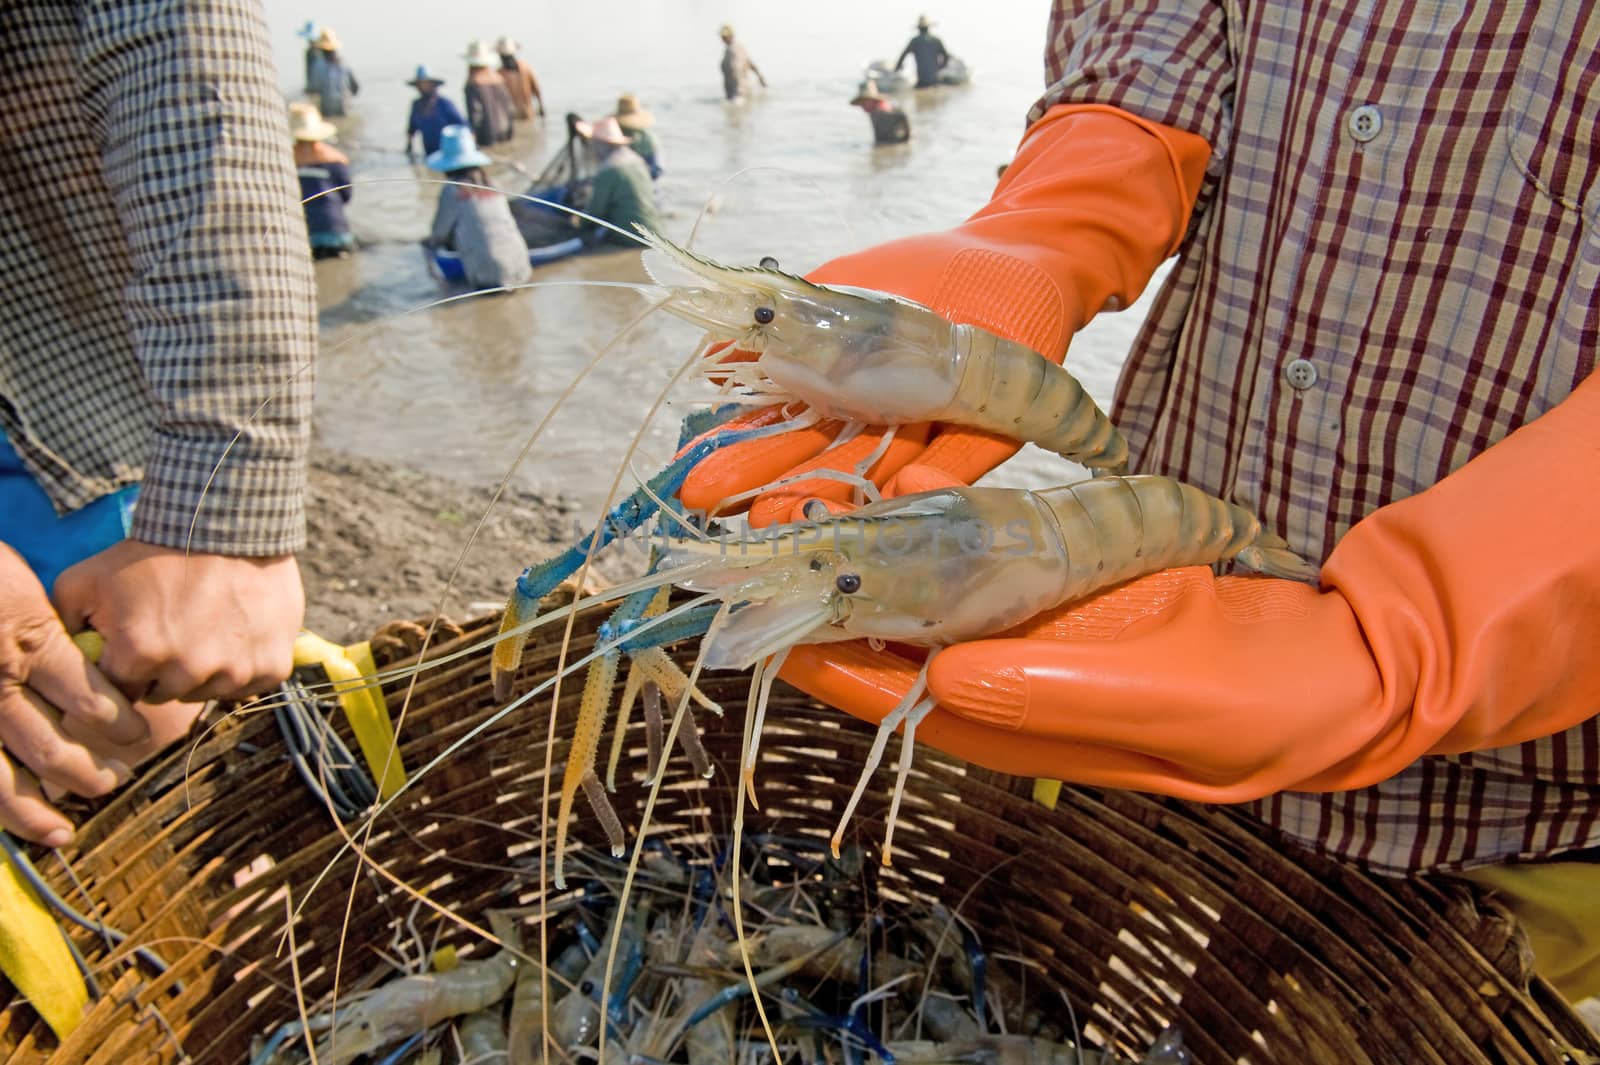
(457, 150)
(423, 75)
(309, 31)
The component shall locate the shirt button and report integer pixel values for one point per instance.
(1300, 374)
(1366, 122)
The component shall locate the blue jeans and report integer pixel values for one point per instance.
(48, 542)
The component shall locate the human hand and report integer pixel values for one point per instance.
(186, 626)
(55, 709)
(1093, 202)
(1461, 618)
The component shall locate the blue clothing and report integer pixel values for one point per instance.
(429, 116)
(325, 214)
(338, 85)
(316, 69)
(49, 542)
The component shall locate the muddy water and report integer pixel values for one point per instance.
(455, 389)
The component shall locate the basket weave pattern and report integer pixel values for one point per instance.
(1142, 911)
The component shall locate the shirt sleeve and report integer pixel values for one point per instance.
(1164, 60)
(222, 303)
(452, 117)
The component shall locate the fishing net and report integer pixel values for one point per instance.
(564, 180)
(1140, 912)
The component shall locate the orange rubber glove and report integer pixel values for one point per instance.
(1462, 618)
(1094, 201)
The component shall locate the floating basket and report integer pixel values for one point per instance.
(1141, 912)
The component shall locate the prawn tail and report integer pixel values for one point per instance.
(1010, 389)
(1270, 554)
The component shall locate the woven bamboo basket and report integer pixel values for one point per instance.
(1141, 912)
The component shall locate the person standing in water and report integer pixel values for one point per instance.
(489, 106)
(519, 79)
(324, 173)
(338, 83)
(889, 124)
(636, 122)
(431, 112)
(929, 53)
(736, 67)
(316, 62)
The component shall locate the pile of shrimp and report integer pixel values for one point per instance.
(847, 977)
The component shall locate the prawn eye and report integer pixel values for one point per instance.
(765, 315)
(848, 583)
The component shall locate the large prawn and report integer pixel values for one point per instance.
(937, 568)
(871, 358)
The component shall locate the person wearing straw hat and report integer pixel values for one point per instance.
(324, 182)
(338, 82)
(889, 124)
(519, 79)
(929, 53)
(736, 66)
(431, 112)
(473, 220)
(489, 108)
(636, 122)
(621, 192)
(316, 62)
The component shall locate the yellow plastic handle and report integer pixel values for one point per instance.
(91, 643)
(352, 671)
(34, 954)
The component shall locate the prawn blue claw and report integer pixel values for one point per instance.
(644, 503)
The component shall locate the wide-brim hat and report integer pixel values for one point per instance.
(924, 22)
(725, 32)
(630, 115)
(307, 124)
(423, 76)
(327, 40)
(457, 150)
(479, 54)
(866, 93)
(308, 32)
(507, 46)
(607, 131)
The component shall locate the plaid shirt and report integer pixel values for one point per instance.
(1391, 266)
(155, 284)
